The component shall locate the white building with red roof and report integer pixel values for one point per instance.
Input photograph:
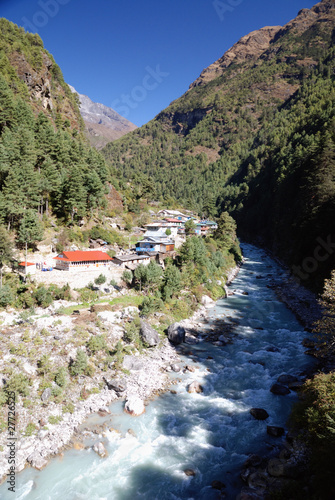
(82, 260)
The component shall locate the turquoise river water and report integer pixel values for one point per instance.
(211, 433)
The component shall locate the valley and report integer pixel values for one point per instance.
(167, 292)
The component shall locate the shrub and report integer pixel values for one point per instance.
(150, 305)
(79, 365)
(43, 297)
(30, 429)
(68, 408)
(90, 370)
(61, 377)
(44, 365)
(315, 414)
(132, 333)
(100, 280)
(6, 296)
(55, 419)
(96, 343)
(127, 277)
(19, 383)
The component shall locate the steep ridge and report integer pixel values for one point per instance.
(237, 138)
(102, 123)
(46, 163)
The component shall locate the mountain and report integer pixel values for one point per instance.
(46, 163)
(254, 136)
(103, 124)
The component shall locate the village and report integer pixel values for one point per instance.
(76, 267)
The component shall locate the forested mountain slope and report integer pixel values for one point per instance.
(45, 161)
(254, 135)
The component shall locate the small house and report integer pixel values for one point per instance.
(30, 266)
(131, 261)
(82, 260)
(150, 244)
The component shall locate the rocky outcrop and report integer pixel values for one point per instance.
(46, 93)
(249, 47)
(207, 301)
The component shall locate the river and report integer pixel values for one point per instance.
(211, 433)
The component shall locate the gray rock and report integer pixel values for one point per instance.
(258, 481)
(275, 431)
(100, 450)
(134, 406)
(46, 394)
(287, 379)
(195, 387)
(176, 333)
(132, 363)
(276, 467)
(259, 413)
(37, 461)
(149, 334)
(115, 385)
(175, 368)
(280, 390)
(207, 301)
(189, 472)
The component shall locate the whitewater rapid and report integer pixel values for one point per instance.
(211, 433)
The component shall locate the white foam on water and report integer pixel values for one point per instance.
(211, 432)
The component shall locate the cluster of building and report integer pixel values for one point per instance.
(158, 242)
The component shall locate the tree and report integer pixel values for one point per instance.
(168, 232)
(172, 281)
(225, 233)
(189, 227)
(140, 274)
(30, 231)
(325, 327)
(6, 250)
(154, 275)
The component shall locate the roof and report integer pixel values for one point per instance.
(82, 256)
(173, 220)
(157, 241)
(129, 257)
(28, 264)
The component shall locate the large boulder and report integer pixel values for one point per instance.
(149, 334)
(100, 449)
(134, 406)
(259, 413)
(132, 363)
(195, 387)
(176, 333)
(280, 390)
(115, 385)
(46, 394)
(287, 379)
(274, 431)
(207, 301)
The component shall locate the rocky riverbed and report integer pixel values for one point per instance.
(141, 376)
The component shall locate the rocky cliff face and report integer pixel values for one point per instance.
(103, 124)
(257, 43)
(247, 48)
(33, 74)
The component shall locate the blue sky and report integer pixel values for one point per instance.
(137, 56)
